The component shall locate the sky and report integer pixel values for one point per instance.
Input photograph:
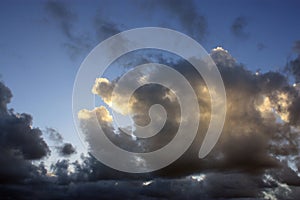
(255, 45)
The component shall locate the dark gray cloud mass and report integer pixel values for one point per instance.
(67, 149)
(19, 142)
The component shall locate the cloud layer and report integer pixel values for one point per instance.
(256, 157)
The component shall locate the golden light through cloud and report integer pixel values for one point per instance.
(101, 112)
(278, 107)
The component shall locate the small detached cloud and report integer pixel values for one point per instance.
(64, 149)
(67, 149)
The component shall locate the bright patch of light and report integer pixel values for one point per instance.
(143, 79)
(293, 167)
(133, 137)
(269, 196)
(198, 177)
(269, 106)
(50, 174)
(281, 189)
(140, 162)
(219, 49)
(147, 183)
(101, 112)
(295, 84)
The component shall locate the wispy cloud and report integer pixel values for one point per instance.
(185, 13)
(79, 42)
(238, 27)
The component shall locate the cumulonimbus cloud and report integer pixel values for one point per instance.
(259, 127)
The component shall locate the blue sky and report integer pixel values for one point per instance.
(40, 69)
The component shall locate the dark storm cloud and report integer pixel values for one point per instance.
(238, 27)
(19, 142)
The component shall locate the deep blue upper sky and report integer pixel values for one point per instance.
(42, 47)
